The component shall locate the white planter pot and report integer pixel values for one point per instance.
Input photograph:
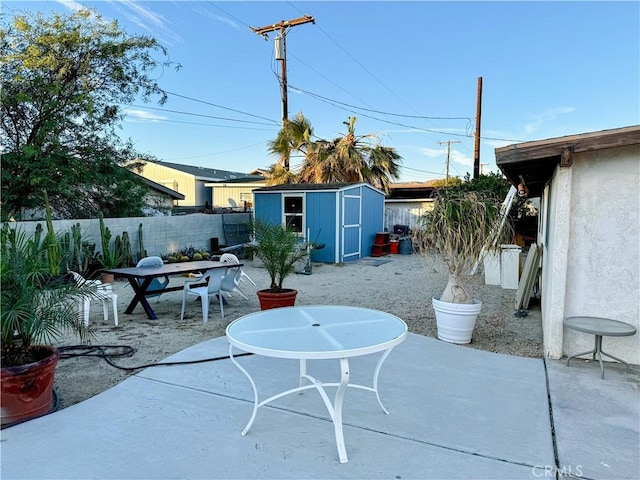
(456, 321)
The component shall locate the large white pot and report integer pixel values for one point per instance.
(456, 321)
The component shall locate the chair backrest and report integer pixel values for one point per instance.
(150, 262)
(214, 278)
(80, 280)
(231, 279)
(229, 258)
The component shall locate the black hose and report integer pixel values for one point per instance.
(101, 351)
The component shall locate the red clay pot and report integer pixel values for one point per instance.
(269, 300)
(27, 390)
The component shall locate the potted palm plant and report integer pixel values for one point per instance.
(38, 306)
(458, 228)
(280, 249)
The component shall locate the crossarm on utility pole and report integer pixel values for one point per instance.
(282, 26)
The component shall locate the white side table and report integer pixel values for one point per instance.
(313, 333)
(600, 327)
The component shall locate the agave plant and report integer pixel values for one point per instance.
(460, 226)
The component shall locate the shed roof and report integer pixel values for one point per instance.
(536, 161)
(290, 187)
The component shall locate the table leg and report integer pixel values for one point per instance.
(615, 358)
(255, 391)
(303, 374)
(580, 354)
(376, 373)
(337, 410)
(599, 353)
(140, 290)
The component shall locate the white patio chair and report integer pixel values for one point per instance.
(230, 259)
(104, 293)
(156, 283)
(212, 283)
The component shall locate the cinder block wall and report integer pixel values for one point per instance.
(161, 235)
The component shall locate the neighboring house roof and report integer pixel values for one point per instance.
(411, 190)
(161, 188)
(536, 161)
(289, 187)
(208, 174)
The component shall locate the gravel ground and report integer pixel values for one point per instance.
(402, 285)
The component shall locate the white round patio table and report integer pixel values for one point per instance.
(313, 333)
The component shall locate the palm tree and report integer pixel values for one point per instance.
(294, 136)
(345, 159)
(351, 158)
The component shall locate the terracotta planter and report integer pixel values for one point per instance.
(108, 278)
(269, 300)
(27, 390)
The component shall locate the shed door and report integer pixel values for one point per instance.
(351, 226)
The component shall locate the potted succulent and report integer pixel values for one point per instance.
(458, 228)
(37, 307)
(280, 249)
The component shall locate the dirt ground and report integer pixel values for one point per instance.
(399, 284)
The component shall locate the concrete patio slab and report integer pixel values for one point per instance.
(454, 412)
(597, 421)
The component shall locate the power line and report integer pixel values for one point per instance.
(220, 153)
(166, 120)
(219, 106)
(382, 112)
(199, 115)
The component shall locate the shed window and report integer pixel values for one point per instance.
(294, 212)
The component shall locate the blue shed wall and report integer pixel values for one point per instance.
(345, 237)
(372, 218)
(268, 207)
(321, 222)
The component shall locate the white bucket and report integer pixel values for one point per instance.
(456, 321)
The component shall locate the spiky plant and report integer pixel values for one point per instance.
(37, 307)
(279, 248)
(459, 226)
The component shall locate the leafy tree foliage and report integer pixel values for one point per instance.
(65, 79)
(350, 158)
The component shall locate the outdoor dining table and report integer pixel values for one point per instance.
(317, 332)
(140, 278)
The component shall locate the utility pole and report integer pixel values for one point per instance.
(281, 55)
(476, 149)
(448, 142)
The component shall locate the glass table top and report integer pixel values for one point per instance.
(316, 331)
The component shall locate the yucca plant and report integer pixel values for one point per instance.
(460, 226)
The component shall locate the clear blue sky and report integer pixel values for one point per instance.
(407, 70)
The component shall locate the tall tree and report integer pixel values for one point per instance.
(349, 158)
(294, 136)
(65, 79)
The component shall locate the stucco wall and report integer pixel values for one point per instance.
(595, 219)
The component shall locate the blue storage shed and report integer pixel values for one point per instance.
(345, 217)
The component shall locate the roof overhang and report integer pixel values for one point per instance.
(536, 161)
